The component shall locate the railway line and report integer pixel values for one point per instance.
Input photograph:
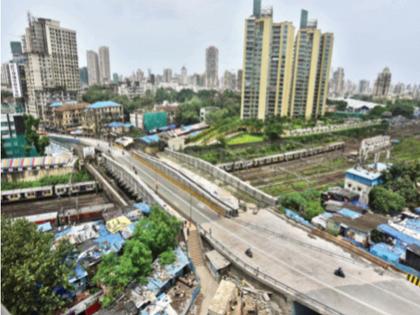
(26, 208)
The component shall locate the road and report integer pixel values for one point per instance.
(307, 270)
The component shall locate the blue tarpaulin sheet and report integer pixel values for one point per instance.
(296, 217)
(45, 227)
(387, 252)
(401, 237)
(143, 207)
(349, 213)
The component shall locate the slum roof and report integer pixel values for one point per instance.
(150, 139)
(119, 124)
(45, 227)
(387, 252)
(221, 299)
(103, 104)
(217, 260)
(349, 213)
(364, 173)
(79, 273)
(364, 223)
(68, 107)
(414, 248)
(163, 274)
(118, 224)
(404, 238)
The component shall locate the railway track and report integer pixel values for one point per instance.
(21, 209)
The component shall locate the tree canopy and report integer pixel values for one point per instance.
(154, 237)
(385, 201)
(31, 270)
(307, 203)
(32, 137)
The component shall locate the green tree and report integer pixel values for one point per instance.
(32, 137)
(31, 269)
(167, 257)
(273, 129)
(189, 112)
(382, 200)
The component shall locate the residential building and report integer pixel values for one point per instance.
(337, 84)
(18, 80)
(52, 68)
(212, 67)
(16, 48)
(84, 77)
(311, 67)
(167, 75)
(363, 87)
(169, 108)
(267, 65)
(362, 180)
(99, 114)
(239, 80)
(382, 83)
(68, 116)
(5, 75)
(104, 65)
(13, 131)
(93, 67)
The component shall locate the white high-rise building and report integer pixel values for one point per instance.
(104, 65)
(184, 76)
(212, 67)
(52, 69)
(93, 67)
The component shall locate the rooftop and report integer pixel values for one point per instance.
(103, 104)
(364, 223)
(68, 107)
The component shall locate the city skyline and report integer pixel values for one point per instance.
(192, 25)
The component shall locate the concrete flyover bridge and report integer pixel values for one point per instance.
(284, 257)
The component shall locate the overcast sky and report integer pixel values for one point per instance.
(155, 34)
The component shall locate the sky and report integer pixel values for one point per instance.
(158, 34)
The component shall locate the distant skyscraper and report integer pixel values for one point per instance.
(311, 70)
(104, 65)
(16, 48)
(5, 75)
(167, 75)
(338, 82)
(229, 80)
(239, 80)
(52, 69)
(382, 83)
(93, 67)
(363, 87)
(212, 67)
(399, 89)
(267, 65)
(115, 78)
(84, 77)
(184, 76)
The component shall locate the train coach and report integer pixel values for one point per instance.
(36, 193)
(26, 194)
(68, 189)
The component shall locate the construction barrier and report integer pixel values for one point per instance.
(414, 280)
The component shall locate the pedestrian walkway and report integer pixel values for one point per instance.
(208, 283)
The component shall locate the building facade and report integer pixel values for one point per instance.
(104, 65)
(337, 84)
(212, 67)
(52, 68)
(363, 88)
(68, 116)
(84, 77)
(92, 67)
(99, 114)
(267, 65)
(382, 83)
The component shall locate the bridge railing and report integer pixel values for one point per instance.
(224, 176)
(197, 189)
(269, 280)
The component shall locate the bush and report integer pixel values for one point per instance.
(167, 257)
(385, 201)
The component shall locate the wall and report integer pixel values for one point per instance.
(225, 177)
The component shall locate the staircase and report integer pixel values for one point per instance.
(194, 246)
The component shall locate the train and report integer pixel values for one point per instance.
(36, 193)
(282, 157)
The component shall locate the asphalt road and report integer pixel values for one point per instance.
(363, 291)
